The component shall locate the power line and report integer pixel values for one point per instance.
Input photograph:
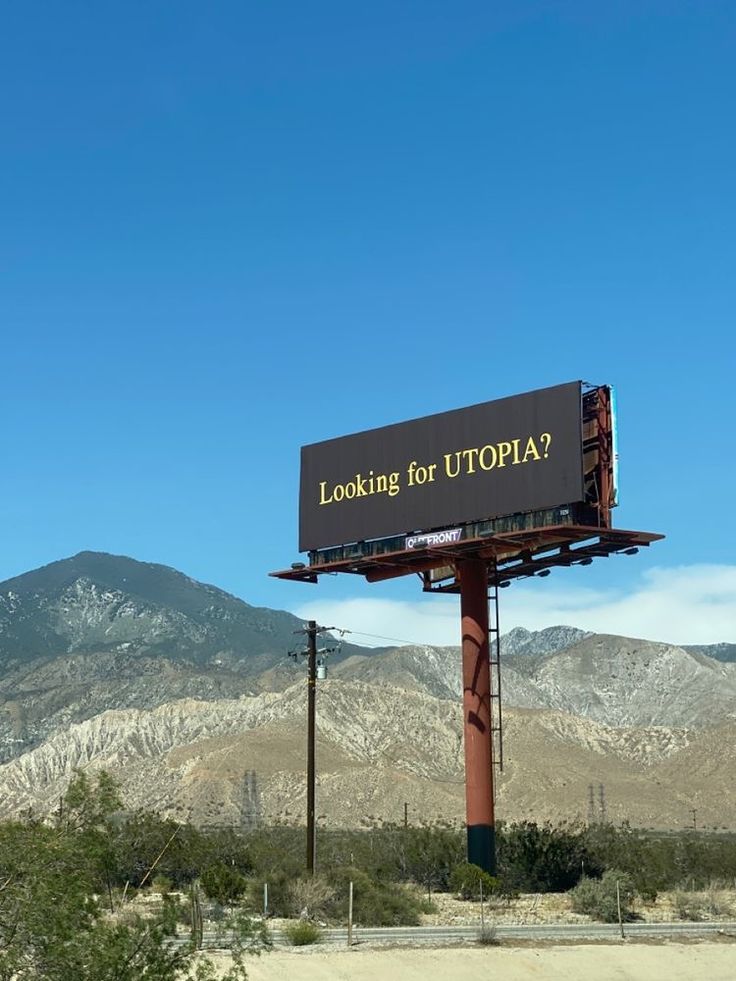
(398, 640)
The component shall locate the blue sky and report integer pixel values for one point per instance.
(230, 229)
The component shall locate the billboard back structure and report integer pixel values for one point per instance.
(517, 454)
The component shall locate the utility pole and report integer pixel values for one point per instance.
(695, 818)
(311, 630)
(406, 814)
(311, 737)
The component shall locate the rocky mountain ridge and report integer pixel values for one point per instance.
(619, 681)
(719, 652)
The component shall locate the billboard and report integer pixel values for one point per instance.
(511, 455)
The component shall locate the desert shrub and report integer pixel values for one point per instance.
(466, 880)
(646, 889)
(428, 855)
(488, 936)
(696, 906)
(427, 905)
(302, 932)
(312, 896)
(51, 922)
(216, 913)
(717, 905)
(280, 898)
(422, 854)
(645, 858)
(688, 906)
(597, 897)
(657, 860)
(179, 852)
(161, 884)
(386, 904)
(375, 902)
(223, 883)
(541, 858)
(276, 850)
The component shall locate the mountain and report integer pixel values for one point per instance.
(540, 643)
(97, 632)
(719, 652)
(618, 681)
(625, 681)
(186, 694)
(99, 602)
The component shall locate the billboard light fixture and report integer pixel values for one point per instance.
(586, 561)
(542, 573)
(631, 551)
(298, 565)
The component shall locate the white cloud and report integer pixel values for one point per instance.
(681, 605)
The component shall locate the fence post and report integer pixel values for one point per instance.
(350, 915)
(618, 904)
(196, 917)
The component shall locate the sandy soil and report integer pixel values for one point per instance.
(625, 962)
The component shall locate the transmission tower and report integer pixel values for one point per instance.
(602, 803)
(592, 817)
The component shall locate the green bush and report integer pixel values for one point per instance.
(467, 879)
(375, 902)
(541, 858)
(302, 932)
(223, 883)
(597, 897)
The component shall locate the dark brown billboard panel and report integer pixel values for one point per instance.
(522, 453)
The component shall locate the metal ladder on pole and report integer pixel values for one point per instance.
(494, 651)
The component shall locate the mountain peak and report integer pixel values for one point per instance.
(538, 643)
(98, 601)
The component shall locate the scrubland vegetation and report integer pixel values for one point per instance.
(72, 888)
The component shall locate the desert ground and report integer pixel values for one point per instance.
(706, 961)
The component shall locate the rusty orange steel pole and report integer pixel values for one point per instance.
(473, 576)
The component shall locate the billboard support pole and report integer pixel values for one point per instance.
(473, 580)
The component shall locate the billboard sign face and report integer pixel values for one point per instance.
(515, 454)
